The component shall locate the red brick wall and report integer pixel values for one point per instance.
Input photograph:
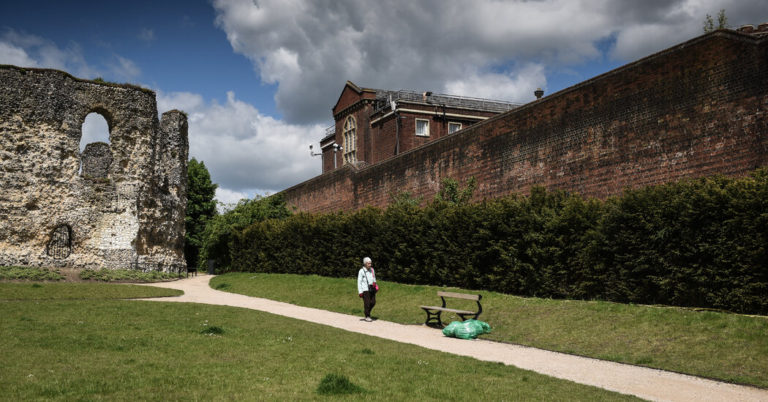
(697, 109)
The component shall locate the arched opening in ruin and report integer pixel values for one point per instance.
(95, 148)
(60, 245)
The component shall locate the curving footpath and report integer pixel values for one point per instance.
(642, 382)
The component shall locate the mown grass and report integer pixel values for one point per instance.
(728, 347)
(101, 349)
(79, 291)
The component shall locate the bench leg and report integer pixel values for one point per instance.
(433, 317)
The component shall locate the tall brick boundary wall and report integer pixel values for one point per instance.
(124, 209)
(697, 109)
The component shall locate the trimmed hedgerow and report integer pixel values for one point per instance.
(697, 243)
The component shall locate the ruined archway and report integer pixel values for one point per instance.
(95, 146)
(115, 213)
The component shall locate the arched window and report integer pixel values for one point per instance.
(350, 140)
(95, 153)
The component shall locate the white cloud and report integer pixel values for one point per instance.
(10, 54)
(246, 152)
(25, 50)
(123, 69)
(515, 87)
(47, 54)
(309, 48)
(230, 197)
(185, 101)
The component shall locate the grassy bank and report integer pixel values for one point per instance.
(716, 345)
(79, 291)
(15, 273)
(94, 348)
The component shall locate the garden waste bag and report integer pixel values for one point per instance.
(469, 329)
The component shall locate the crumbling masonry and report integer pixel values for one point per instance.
(116, 205)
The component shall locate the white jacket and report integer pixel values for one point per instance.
(365, 278)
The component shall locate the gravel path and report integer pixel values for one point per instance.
(642, 382)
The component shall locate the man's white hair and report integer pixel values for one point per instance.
(366, 259)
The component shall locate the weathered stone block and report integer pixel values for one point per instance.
(124, 209)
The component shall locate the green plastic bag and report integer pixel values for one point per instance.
(450, 329)
(469, 329)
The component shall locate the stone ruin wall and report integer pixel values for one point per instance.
(124, 209)
(697, 109)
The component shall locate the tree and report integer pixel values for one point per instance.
(215, 241)
(709, 23)
(201, 207)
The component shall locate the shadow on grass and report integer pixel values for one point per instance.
(335, 384)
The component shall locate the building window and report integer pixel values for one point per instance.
(422, 127)
(350, 140)
(453, 127)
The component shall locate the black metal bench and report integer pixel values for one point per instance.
(433, 312)
(191, 270)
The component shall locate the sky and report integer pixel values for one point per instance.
(258, 78)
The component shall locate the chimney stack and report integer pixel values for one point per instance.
(539, 93)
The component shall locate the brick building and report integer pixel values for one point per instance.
(696, 109)
(372, 125)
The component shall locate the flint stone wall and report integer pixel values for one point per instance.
(124, 209)
(96, 160)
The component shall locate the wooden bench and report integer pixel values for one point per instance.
(433, 312)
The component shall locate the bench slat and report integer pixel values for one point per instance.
(447, 309)
(459, 295)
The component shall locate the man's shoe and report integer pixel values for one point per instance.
(368, 319)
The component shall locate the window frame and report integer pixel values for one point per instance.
(416, 130)
(450, 123)
(349, 136)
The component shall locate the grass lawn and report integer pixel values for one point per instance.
(79, 341)
(716, 345)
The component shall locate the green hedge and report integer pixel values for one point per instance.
(698, 243)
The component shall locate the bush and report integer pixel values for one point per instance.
(220, 230)
(30, 273)
(125, 275)
(701, 243)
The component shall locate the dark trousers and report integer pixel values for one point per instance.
(369, 300)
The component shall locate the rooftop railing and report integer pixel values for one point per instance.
(464, 102)
(330, 132)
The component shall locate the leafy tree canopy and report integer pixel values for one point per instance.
(201, 207)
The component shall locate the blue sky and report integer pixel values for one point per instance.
(258, 77)
(172, 45)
